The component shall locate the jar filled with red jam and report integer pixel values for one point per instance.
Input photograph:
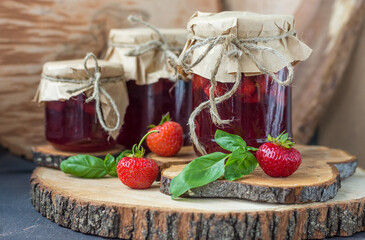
(73, 126)
(250, 57)
(71, 122)
(258, 108)
(152, 92)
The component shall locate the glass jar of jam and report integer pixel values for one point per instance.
(258, 108)
(72, 122)
(249, 57)
(151, 92)
(73, 126)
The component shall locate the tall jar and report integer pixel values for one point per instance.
(251, 56)
(152, 92)
(72, 121)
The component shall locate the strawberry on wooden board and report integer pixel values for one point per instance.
(134, 170)
(167, 139)
(278, 157)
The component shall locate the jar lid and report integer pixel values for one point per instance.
(151, 65)
(175, 37)
(74, 69)
(241, 24)
(254, 42)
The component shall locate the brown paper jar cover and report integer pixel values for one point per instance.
(149, 67)
(243, 25)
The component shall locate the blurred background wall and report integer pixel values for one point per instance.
(328, 90)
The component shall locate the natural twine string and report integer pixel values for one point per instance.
(161, 44)
(233, 47)
(94, 81)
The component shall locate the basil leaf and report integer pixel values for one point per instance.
(240, 163)
(228, 141)
(110, 164)
(199, 172)
(85, 166)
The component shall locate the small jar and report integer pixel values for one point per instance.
(151, 92)
(258, 108)
(72, 123)
(250, 57)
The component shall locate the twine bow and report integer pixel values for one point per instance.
(160, 44)
(232, 47)
(94, 81)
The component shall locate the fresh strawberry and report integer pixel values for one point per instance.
(134, 170)
(168, 138)
(138, 173)
(220, 90)
(278, 157)
(247, 87)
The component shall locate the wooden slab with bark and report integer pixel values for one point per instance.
(318, 179)
(48, 156)
(107, 208)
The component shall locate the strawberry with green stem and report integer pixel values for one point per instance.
(278, 157)
(134, 170)
(167, 139)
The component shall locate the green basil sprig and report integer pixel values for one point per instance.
(210, 167)
(87, 166)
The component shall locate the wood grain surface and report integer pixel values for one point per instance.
(316, 180)
(343, 124)
(107, 208)
(34, 32)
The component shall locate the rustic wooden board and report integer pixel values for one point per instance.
(331, 29)
(34, 32)
(46, 155)
(316, 180)
(107, 208)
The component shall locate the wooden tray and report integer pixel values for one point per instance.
(107, 208)
(316, 180)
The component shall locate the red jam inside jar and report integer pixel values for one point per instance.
(73, 126)
(259, 107)
(148, 103)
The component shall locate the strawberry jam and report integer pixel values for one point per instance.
(147, 104)
(259, 107)
(73, 126)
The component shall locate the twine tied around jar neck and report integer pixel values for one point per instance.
(161, 44)
(238, 47)
(94, 81)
